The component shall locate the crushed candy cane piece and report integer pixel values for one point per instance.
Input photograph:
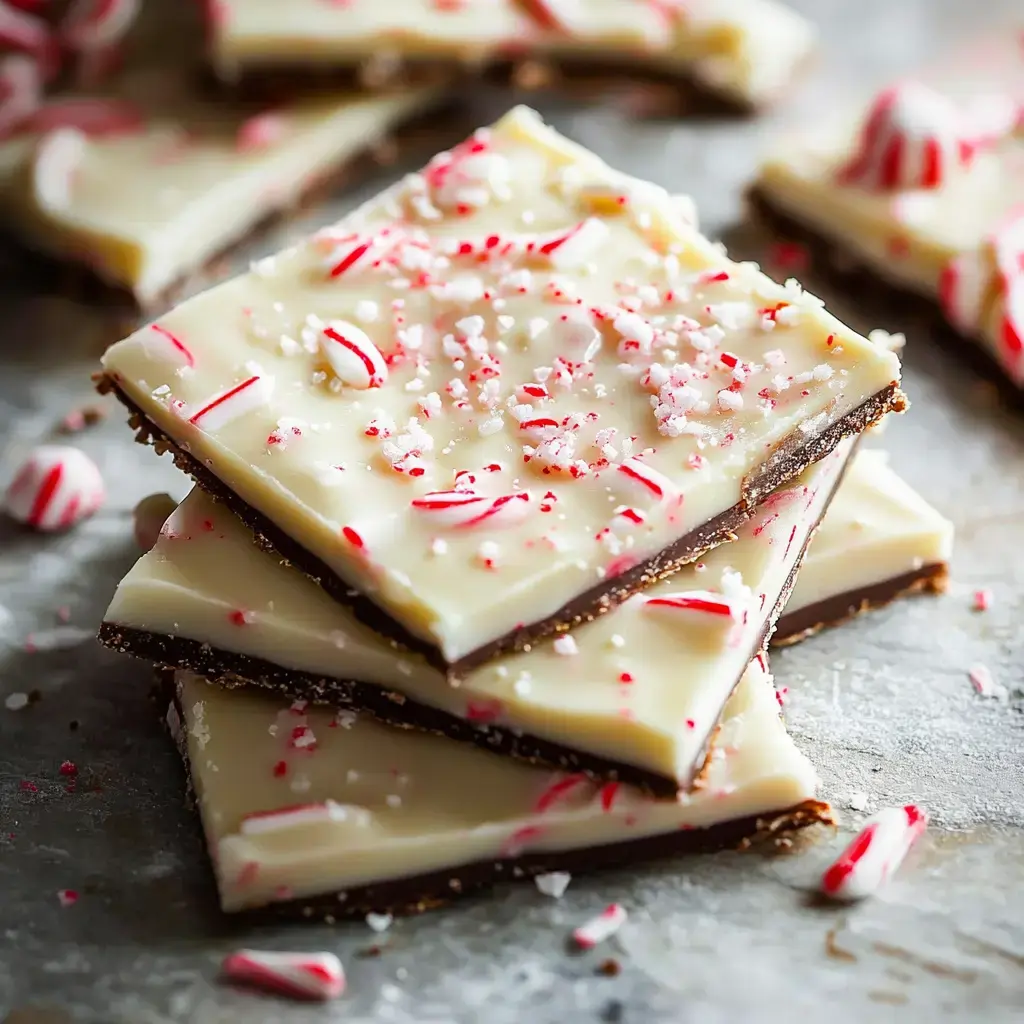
(982, 600)
(55, 488)
(299, 975)
(355, 359)
(227, 406)
(912, 139)
(553, 883)
(601, 927)
(58, 156)
(875, 853)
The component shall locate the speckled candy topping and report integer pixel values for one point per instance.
(509, 385)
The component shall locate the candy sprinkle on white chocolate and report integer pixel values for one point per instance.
(501, 388)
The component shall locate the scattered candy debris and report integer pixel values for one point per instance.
(553, 884)
(379, 922)
(55, 488)
(985, 683)
(858, 801)
(298, 975)
(67, 897)
(601, 927)
(875, 853)
(16, 701)
(982, 600)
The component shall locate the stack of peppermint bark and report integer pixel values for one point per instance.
(503, 483)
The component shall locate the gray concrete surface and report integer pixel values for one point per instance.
(883, 706)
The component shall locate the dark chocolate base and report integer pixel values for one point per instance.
(899, 307)
(781, 466)
(799, 625)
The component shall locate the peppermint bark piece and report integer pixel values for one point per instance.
(634, 695)
(922, 198)
(746, 52)
(501, 398)
(880, 540)
(140, 176)
(317, 814)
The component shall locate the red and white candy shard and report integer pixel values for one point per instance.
(57, 159)
(913, 139)
(292, 817)
(22, 31)
(647, 479)
(700, 605)
(1008, 245)
(20, 92)
(160, 343)
(467, 509)
(571, 249)
(148, 518)
(226, 406)
(601, 927)
(55, 488)
(875, 853)
(354, 358)
(963, 286)
(97, 24)
(299, 975)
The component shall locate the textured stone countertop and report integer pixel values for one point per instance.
(883, 706)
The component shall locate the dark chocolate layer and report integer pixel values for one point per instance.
(798, 625)
(844, 269)
(785, 463)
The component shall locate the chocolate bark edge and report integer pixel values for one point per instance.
(842, 268)
(75, 280)
(785, 463)
(415, 894)
(234, 669)
(806, 622)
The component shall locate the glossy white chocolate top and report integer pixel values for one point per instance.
(503, 382)
(877, 529)
(748, 50)
(144, 178)
(643, 685)
(930, 197)
(299, 801)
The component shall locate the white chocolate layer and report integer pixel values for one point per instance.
(519, 261)
(642, 685)
(186, 175)
(910, 236)
(878, 528)
(297, 803)
(747, 50)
